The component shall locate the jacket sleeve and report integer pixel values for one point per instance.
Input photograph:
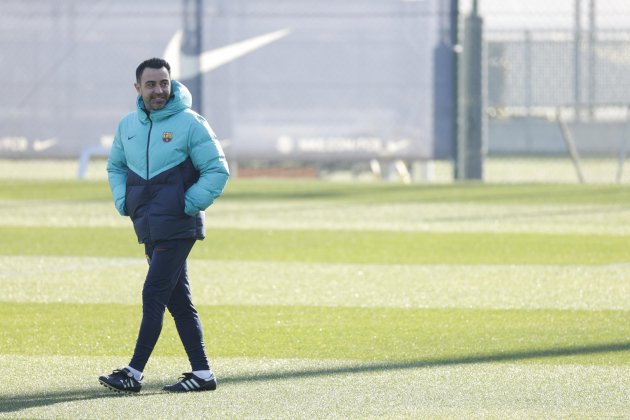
(208, 158)
(117, 173)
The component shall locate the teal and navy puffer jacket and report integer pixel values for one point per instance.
(165, 168)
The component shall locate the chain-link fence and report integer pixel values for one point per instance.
(554, 63)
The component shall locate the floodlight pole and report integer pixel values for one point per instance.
(577, 57)
(454, 38)
(470, 149)
(191, 50)
(592, 56)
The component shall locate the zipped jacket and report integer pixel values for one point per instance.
(165, 168)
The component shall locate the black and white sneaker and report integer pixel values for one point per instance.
(121, 380)
(191, 382)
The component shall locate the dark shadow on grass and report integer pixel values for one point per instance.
(418, 364)
(19, 401)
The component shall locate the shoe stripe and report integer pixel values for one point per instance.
(194, 383)
(185, 386)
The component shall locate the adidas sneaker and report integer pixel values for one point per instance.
(121, 380)
(191, 382)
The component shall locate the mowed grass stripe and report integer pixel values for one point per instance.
(42, 279)
(333, 246)
(255, 190)
(423, 336)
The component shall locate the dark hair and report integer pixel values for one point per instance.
(153, 63)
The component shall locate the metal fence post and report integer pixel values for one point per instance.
(470, 101)
(191, 50)
(577, 57)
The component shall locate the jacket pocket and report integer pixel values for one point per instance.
(189, 174)
(135, 196)
(168, 200)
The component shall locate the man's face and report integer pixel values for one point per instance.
(154, 87)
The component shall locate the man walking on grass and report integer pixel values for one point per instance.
(165, 168)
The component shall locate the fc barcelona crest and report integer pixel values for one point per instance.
(167, 136)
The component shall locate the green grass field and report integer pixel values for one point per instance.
(329, 300)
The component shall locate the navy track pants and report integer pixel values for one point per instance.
(166, 286)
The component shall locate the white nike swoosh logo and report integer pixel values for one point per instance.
(41, 145)
(181, 67)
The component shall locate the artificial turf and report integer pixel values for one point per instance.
(329, 322)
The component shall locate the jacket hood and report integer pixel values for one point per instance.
(180, 100)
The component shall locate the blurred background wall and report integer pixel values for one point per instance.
(323, 83)
(312, 80)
